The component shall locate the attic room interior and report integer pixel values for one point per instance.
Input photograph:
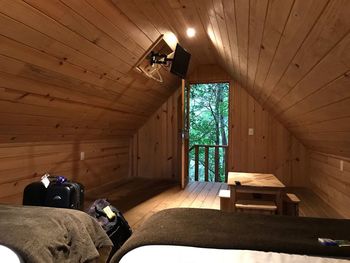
(98, 93)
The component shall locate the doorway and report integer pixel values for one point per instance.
(208, 114)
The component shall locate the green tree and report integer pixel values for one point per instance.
(208, 125)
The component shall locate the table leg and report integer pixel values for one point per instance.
(279, 202)
(232, 198)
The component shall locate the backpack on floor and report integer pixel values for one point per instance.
(112, 221)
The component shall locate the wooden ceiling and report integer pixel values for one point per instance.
(68, 63)
(66, 70)
(293, 56)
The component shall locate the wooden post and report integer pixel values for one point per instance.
(196, 162)
(226, 163)
(216, 164)
(206, 164)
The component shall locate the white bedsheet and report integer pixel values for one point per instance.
(183, 254)
(8, 255)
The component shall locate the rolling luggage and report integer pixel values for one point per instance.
(34, 194)
(65, 195)
(58, 193)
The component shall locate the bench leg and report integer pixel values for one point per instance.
(225, 204)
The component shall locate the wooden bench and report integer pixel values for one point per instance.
(256, 206)
(291, 204)
(249, 206)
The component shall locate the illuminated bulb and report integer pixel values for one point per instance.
(191, 32)
(171, 39)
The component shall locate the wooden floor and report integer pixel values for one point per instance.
(138, 199)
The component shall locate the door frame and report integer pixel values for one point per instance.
(183, 133)
(231, 84)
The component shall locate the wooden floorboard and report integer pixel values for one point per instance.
(139, 198)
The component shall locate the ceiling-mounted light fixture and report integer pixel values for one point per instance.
(171, 39)
(191, 32)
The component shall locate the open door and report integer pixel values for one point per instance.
(183, 142)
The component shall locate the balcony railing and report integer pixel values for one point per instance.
(220, 162)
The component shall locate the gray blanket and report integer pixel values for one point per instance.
(214, 229)
(44, 235)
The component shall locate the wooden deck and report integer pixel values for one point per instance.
(138, 199)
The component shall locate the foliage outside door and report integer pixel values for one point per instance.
(208, 123)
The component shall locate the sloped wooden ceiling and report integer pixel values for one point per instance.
(68, 63)
(293, 56)
(66, 71)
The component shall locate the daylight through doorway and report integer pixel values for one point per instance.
(208, 131)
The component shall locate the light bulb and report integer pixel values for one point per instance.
(191, 32)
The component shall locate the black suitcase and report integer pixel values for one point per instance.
(64, 195)
(34, 194)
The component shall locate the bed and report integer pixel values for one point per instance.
(44, 234)
(204, 235)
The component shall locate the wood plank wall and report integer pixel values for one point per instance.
(154, 145)
(330, 182)
(68, 85)
(209, 73)
(105, 161)
(272, 148)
